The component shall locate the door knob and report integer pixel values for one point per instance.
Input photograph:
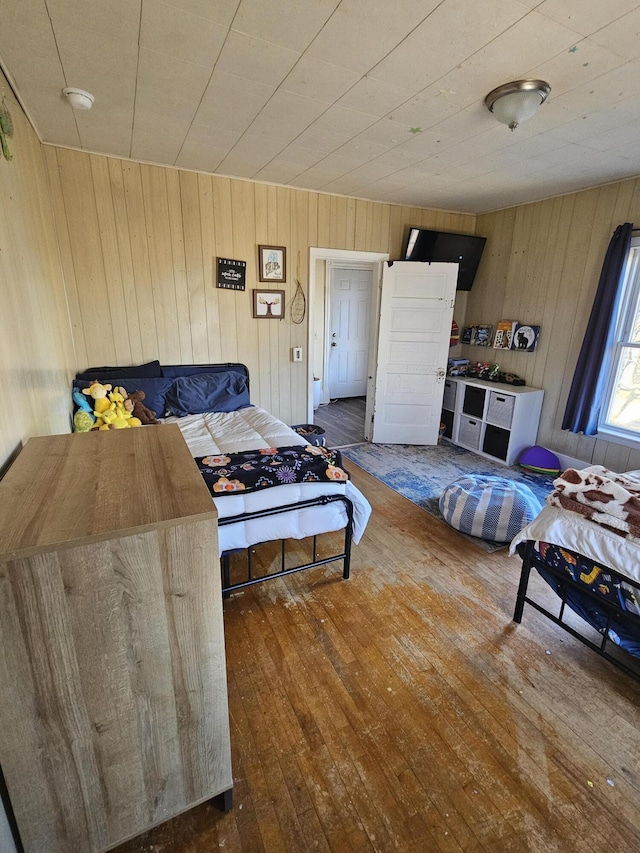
(334, 344)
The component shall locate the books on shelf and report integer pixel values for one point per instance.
(482, 335)
(504, 334)
(525, 338)
(509, 335)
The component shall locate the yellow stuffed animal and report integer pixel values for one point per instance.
(116, 414)
(98, 393)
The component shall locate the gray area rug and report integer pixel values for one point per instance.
(422, 473)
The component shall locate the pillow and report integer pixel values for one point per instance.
(208, 392)
(175, 370)
(149, 370)
(155, 389)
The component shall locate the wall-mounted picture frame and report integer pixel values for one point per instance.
(272, 263)
(268, 304)
(230, 274)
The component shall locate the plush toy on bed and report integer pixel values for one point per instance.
(139, 410)
(98, 393)
(83, 421)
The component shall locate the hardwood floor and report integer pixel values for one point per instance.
(403, 710)
(342, 420)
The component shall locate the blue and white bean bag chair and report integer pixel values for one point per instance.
(488, 507)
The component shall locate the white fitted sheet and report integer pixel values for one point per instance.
(251, 429)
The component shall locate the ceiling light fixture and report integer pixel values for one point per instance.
(513, 103)
(78, 98)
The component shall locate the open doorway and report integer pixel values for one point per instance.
(343, 331)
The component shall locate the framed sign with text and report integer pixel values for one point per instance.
(230, 274)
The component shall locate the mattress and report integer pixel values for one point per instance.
(254, 428)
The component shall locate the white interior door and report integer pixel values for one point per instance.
(416, 308)
(349, 328)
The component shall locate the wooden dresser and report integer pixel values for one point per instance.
(113, 697)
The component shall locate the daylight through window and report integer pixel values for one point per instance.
(621, 411)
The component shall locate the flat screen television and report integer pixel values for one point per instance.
(441, 246)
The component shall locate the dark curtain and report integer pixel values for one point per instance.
(592, 370)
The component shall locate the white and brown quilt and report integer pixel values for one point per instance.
(602, 496)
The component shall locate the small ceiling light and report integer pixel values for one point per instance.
(513, 103)
(78, 98)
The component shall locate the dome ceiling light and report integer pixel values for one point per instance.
(513, 103)
(78, 98)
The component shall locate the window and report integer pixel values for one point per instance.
(621, 410)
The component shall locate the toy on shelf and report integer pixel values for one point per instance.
(481, 370)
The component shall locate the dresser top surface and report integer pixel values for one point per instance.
(72, 489)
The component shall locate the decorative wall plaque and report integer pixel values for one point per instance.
(230, 274)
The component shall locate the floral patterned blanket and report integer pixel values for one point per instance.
(251, 471)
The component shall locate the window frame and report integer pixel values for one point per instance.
(628, 312)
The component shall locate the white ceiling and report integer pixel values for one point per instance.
(380, 99)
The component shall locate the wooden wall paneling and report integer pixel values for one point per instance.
(211, 293)
(595, 254)
(384, 228)
(84, 236)
(111, 258)
(548, 287)
(121, 214)
(312, 199)
(299, 337)
(227, 299)
(534, 284)
(519, 262)
(176, 233)
(36, 347)
(361, 226)
(161, 264)
(569, 308)
(266, 331)
(396, 232)
(66, 256)
(278, 221)
(140, 259)
(623, 210)
(337, 221)
(281, 381)
(350, 225)
(371, 228)
(615, 457)
(245, 246)
(193, 257)
(552, 332)
(324, 221)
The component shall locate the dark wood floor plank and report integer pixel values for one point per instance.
(342, 421)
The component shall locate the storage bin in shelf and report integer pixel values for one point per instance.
(493, 419)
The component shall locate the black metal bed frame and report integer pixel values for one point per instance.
(321, 500)
(529, 561)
